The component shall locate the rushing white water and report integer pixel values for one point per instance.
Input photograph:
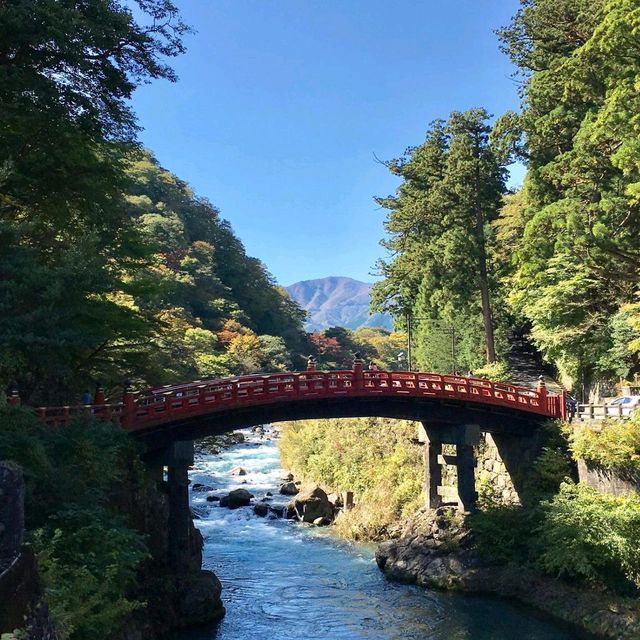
(284, 580)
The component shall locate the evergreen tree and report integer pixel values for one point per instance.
(578, 261)
(439, 228)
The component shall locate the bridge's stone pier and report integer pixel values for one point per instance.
(170, 469)
(460, 459)
(463, 437)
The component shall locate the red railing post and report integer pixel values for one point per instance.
(358, 371)
(14, 396)
(542, 394)
(128, 405)
(562, 409)
(99, 395)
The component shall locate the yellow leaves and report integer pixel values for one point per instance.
(242, 345)
(634, 322)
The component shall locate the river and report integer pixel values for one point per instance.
(285, 580)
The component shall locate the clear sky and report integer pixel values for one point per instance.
(283, 105)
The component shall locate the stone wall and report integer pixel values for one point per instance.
(493, 480)
(621, 482)
(502, 463)
(22, 603)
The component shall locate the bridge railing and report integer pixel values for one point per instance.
(63, 415)
(164, 404)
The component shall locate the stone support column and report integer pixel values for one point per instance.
(432, 451)
(179, 460)
(465, 465)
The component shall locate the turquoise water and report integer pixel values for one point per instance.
(285, 580)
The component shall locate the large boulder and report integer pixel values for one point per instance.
(261, 509)
(310, 504)
(236, 498)
(198, 486)
(238, 471)
(288, 489)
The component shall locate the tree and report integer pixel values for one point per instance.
(579, 62)
(67, 243)
(439, 233)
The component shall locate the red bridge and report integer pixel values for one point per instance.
(204, 407)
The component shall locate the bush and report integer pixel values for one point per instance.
(87, 556)
(497, 371)
(551, 468)
(616, 444)
(502, 533)
(590, 535)
(87, 559)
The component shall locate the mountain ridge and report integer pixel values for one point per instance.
(337, 301)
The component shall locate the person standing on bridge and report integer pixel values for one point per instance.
(373, 366)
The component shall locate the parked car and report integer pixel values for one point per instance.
(628, 403)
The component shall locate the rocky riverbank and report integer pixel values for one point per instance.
(436, 550)
(175, 598)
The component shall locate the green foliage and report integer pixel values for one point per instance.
(503, 532)
(110, 264)
(88, 557)
(576, 248)
(550, 470)
(497, 371)
(66, 240)
(615, 444)
(590, 535)
(88, 560)
(374, 457)
(439, 239)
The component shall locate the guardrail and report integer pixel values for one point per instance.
(590, 411)
(160, 405)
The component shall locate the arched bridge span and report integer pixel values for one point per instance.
(205, 407)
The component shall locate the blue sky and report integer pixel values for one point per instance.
(283, 105)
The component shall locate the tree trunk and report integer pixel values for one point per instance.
(482, 259)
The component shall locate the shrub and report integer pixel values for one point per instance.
(590, 535)
(616, 444)
(497, 371)
(502, 533)
(87, 556)
(88, 561)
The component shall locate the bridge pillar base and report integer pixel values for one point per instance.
(179, 457)
(464, 437)
(432, 453)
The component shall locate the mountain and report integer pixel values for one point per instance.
(337, 302)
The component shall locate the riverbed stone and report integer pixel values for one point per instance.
(199, 486)
(261, 509)
(336, 500)
(213, 498)
(288, 489)
(310, 504)
(278, 512)
(236, 498)
(238, 471)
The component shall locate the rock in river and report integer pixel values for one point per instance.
(236, 498)
(261, 509)
(238, 471)
(198, 486)
(288, 489)
(311, 504)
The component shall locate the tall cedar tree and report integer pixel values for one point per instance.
(437, 226)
